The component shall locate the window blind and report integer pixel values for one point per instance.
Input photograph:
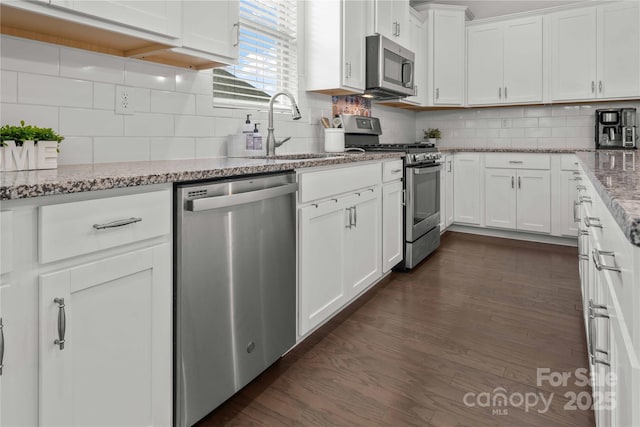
(267, 57)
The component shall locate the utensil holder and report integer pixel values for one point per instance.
(334, 140)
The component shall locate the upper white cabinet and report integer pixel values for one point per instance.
(595, 52)
(199, 34)
(391, 19)
(445, 55)
(505, 62)
(162, 17)
(335, 41)
(418, 45)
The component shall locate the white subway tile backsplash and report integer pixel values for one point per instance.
(537, 111)
(9, 86)
(530, 122)
(141, 100)
(537, 132)
(524, 142)
(579, 143)
(511, 133)
(148, 75)
(46, 117)
(464, 133)
(172, 148)
(546, 122)
(148, 125)
(172, 102)
(197, 82)
(565, 132)
(120, 149)
(580, 121)
(565, 110)
(211, 147)
(91, 66)
(48, 90)
(83, 122)
(29, 56)
(196, 126)
(76, 150)
(204, 106)
(551, 143)
(498, 142)
(104, 95)
(488, 133)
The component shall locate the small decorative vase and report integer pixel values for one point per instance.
(29, 156)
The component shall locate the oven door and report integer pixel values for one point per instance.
(423, 200)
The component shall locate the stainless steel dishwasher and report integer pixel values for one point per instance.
(235, 286)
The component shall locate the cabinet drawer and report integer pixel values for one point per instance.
(517, 161)
(72, 229)
(568, 162)
(6, 242)
(391, 170)
(325, 183)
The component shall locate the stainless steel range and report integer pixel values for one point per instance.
(421, 184)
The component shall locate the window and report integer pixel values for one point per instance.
(267, 57)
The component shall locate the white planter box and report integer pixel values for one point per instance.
(43, 155)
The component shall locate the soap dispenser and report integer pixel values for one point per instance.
(247, 133)
(257, 138)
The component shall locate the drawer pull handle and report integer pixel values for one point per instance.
(1, 346)
(118, 223)
(396, 171)
(576, 206)
(591, 221)
(62, 323)
(516, 162)
(597, 260)
(581, 187)
(585, 199)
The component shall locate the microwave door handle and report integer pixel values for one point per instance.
(407, 74)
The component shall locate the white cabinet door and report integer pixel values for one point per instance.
(448, 57)
(322, 288)
(19, 379)
(568, 196)
(449, 191)
(199, 33)
(392, 238)
(523, 60)
(363, 241)
(534, 201)
(392, 20)
(354, 29)
(573, 57)
(162, 17)
(619, 50)
(443, 195)
(484, 62)
(467, 181)
(115, 365)
(500, 198)
(418, 45)
(401, 15)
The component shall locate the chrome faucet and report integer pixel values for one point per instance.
(272, 144)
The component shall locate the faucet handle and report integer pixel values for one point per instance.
(282, 141)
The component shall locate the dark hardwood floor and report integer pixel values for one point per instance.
(470, 324)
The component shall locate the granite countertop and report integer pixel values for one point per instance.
(616, 177)
(510, 150)
(103, 176)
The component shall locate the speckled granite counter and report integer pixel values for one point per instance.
(103, 176)
(509, 150)
(616, 177)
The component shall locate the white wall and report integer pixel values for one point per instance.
(558, 126)
(73, 92)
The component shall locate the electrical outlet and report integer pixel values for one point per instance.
(124, 100)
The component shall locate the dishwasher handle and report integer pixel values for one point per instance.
(215, 202)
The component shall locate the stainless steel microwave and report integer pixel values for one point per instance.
(390, 69)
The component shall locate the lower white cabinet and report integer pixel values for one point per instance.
(568, 198)
(392, 222)
(106, 342)
(468, 185)
(518, 199)
(446, 192)
(339, 241)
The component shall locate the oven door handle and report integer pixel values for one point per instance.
(427, 169)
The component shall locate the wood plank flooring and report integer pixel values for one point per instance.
(475, 320)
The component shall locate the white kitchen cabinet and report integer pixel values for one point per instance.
(363, 241)
(568, 197)
(446, 192)
(161, 17)
(500, 198)
(468, 185)
(6, 241)
(447, 44)
(534, 201)
(106, 341)
(595, 52)
(335, 39)
(505, 62)
(199, 34)
(391, 19)
(418, 45)
(392, 222)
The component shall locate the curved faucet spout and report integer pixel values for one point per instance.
(295, 114)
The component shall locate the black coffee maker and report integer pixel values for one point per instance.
(616, 128)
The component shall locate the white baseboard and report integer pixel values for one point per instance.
(516, 235)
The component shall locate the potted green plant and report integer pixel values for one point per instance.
(432, 135)
(28, 147)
